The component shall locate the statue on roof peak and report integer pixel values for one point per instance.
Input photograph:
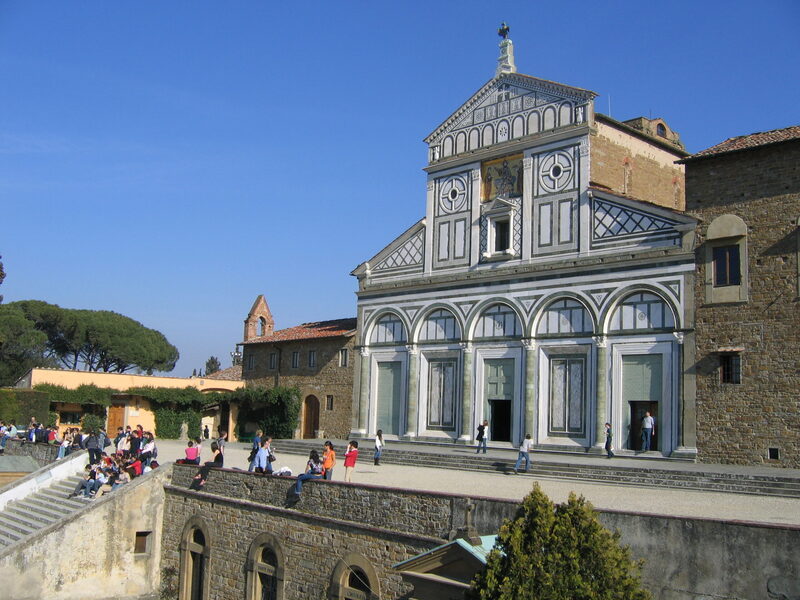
(503, 31)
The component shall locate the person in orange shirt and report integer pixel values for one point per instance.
(328, 460)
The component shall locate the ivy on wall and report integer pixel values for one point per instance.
(275, 410)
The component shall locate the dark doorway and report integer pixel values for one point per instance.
(500, 420)
(310, 417)
(638, 409)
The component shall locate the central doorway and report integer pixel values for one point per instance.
(499, 394)
(642, 390)
(310, 417)
(389, 397)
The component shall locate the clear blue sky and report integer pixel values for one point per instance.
(172, 160)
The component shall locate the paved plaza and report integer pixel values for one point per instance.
(674, 502)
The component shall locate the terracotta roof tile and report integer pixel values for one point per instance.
(233, 373)
(307, 331)
(754, 140)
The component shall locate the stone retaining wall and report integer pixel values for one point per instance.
(44, 454)
(685, 558)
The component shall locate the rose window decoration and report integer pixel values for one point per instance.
(453, 195)
(555, 171)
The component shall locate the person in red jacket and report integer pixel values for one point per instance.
(350, 458)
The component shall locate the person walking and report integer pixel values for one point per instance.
(648, 427)
(524, 453)
(482, 437)
(350, 457)
(255, 449)
(609, 436)
(378, 447)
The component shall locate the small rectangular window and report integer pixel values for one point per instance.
(774, 454)
(273, 360)
(502, 231)
(730, 368)
(295, 360)
(343, 357)
(727, 269)
(312, 358)
(328, 402)
(141, 544)
(251, 362)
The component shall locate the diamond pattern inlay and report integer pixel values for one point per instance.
(407, 255)
(611, 220)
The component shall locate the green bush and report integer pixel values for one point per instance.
(93, 422)
(19, 405)
(557, 552)
(169, 421)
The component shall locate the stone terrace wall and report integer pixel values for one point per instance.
(685, 558)
(44, 454)
(737, 423)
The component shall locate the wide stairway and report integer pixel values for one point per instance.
(39, 510)
(597, 470)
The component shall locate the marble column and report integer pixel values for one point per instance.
(530, 378)
(363, 395)
(413, 391)
(466, 393)
(601, 406)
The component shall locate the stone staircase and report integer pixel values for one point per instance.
(38, 510)
(602, 472)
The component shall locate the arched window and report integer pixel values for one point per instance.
(661, 131)
(354, 578)
(194, 562)
(565, 317)
(498, 321)
(440, 325)
(726, 265)
(389, 330)
(262, 326)
(642, 312)
(264, 569)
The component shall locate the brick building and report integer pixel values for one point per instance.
(548, 288)
(745, 192)
(314, 357)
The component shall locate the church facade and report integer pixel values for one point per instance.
(547, 290)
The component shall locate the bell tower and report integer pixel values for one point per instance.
(259, 321)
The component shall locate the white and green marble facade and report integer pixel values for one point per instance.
(551, 303)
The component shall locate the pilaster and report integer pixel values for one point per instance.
(466, 392)
(413, 391)
(531, 377)
(363, 401)
(601, 407)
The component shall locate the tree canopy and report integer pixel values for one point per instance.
(96, 340)
(212, 365)
(22, 346)
(558, 552)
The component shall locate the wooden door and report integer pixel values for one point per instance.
(310, 417)
(390, 402)
(116, 418)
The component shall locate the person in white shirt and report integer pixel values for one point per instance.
(648, 427)
(524, 452)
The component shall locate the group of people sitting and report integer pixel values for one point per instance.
(109, 473)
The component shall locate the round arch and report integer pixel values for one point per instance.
(477, 310)
(379, 314)
(544, 303)
(195, 553)
(619, 296)
(726, 226)
(256, 568)
(353, 563)
(422, 315)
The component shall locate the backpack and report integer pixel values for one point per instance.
(106, 441)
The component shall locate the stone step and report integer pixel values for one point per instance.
(13, 527)
(52, 510)
(24, 514)
(58, 497)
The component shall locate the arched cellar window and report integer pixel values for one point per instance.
(388, 330)
(194, 562)
(354, 578)
(265, 569)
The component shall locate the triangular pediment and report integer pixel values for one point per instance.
(512, 98)
(405, 253)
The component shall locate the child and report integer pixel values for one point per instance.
(328, 460)
(350, 457)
